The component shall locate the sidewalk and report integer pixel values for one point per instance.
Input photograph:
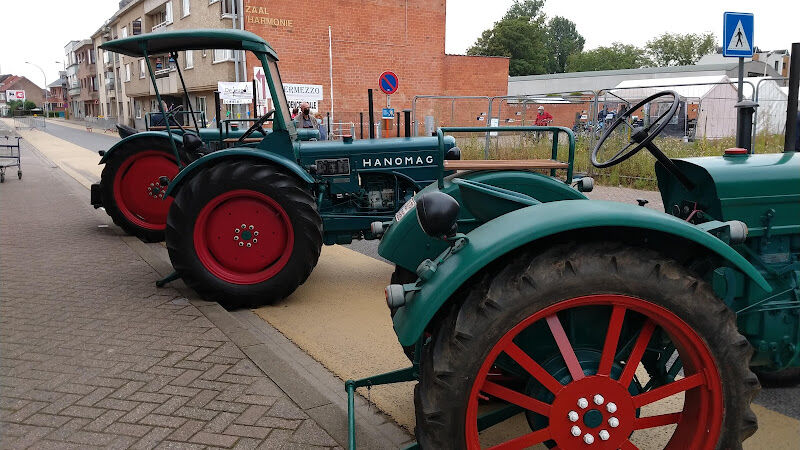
(92, 354)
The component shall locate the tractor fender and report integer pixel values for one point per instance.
(498, 237)
(136, 137)
(237, 153)
(393, 245)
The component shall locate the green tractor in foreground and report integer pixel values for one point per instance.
(534, 315)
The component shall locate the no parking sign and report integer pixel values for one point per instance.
(388, 82)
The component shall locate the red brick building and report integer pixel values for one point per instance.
(369, 37)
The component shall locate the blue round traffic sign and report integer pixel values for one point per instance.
(388, 82)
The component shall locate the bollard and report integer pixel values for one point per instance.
(398, 124)
(744, 124)
(361, 119)
(371, 114)
(407, 121)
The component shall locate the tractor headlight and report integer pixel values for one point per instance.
(453, 153)
(395, 296)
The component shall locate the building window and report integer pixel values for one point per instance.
(189, 59)
(136, 26)
(185, 5)
(776, 65)
(127, 72)
(124, 32)
(94, 83)
(162, 17)
(142, 68)
(138, 105)
(221, 55)
(228, 8)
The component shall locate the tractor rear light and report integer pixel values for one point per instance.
(737, 231)
(735, 151)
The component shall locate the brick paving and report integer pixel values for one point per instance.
(92, 354)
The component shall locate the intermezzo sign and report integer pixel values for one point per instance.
(295, 93)
(235, 93)
(15, 95)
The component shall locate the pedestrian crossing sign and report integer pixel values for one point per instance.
(737, 35)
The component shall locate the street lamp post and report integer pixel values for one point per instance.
(45, 86)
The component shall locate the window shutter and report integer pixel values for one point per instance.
(168, 12)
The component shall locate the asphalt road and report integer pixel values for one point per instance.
(783, 400)
(90, 141)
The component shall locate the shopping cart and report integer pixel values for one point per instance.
(9, 151)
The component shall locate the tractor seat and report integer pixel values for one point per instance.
(503, 164)
(193, 146)
(125, 131)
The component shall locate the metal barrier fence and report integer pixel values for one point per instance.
(704, 125)
(107, 124)
(29, 121)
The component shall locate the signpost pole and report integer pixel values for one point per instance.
(741, 79)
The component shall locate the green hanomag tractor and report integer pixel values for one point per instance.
(130, 188)
(245, 225)
(539, 316)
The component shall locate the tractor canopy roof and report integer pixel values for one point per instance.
(167, 41)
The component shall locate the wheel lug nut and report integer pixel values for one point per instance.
(588, 438)
(611, 407)
(251, 227)
(598, 399)
(255, 233)
(572, 416)
(583, 403)
(614, 422)
(255, 241)
(241, 244)
(236, 230)
(244, 226)
(249, 245)
(604, 435)
(236, 238)
(575, 431)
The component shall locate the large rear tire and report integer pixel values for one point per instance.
(619, 307)
(130, 191)
(244, 233)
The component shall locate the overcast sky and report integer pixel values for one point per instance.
(37, 30)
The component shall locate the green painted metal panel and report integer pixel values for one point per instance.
(394, 245)
(135, 137)
(508, 232)
(238, 153)
(742, 188)
(198, 39)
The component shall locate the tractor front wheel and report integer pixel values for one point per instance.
(243, 233)
(130, 189)
(580, 344)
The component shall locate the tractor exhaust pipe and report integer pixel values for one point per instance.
(791, 142)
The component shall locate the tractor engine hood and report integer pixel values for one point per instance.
(763, 191)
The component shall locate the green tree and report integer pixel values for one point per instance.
(521, 36)
(673, 49)
(15, 105)
(616, 56)
(562, 40)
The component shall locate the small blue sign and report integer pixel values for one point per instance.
(737, 35)
(388, 113)
(388, 82)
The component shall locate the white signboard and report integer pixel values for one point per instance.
(233, 93)
(15, 95)
(295, 93)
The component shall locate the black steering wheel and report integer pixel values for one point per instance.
(256, 127)
(642, 137)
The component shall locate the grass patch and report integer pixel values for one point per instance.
(636, 172)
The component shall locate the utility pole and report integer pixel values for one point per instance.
(45, 86)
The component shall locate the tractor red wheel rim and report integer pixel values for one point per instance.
(243, 237)
(698, 424)
(137, 193)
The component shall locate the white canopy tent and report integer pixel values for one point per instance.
(771, 113)
(715, 97)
